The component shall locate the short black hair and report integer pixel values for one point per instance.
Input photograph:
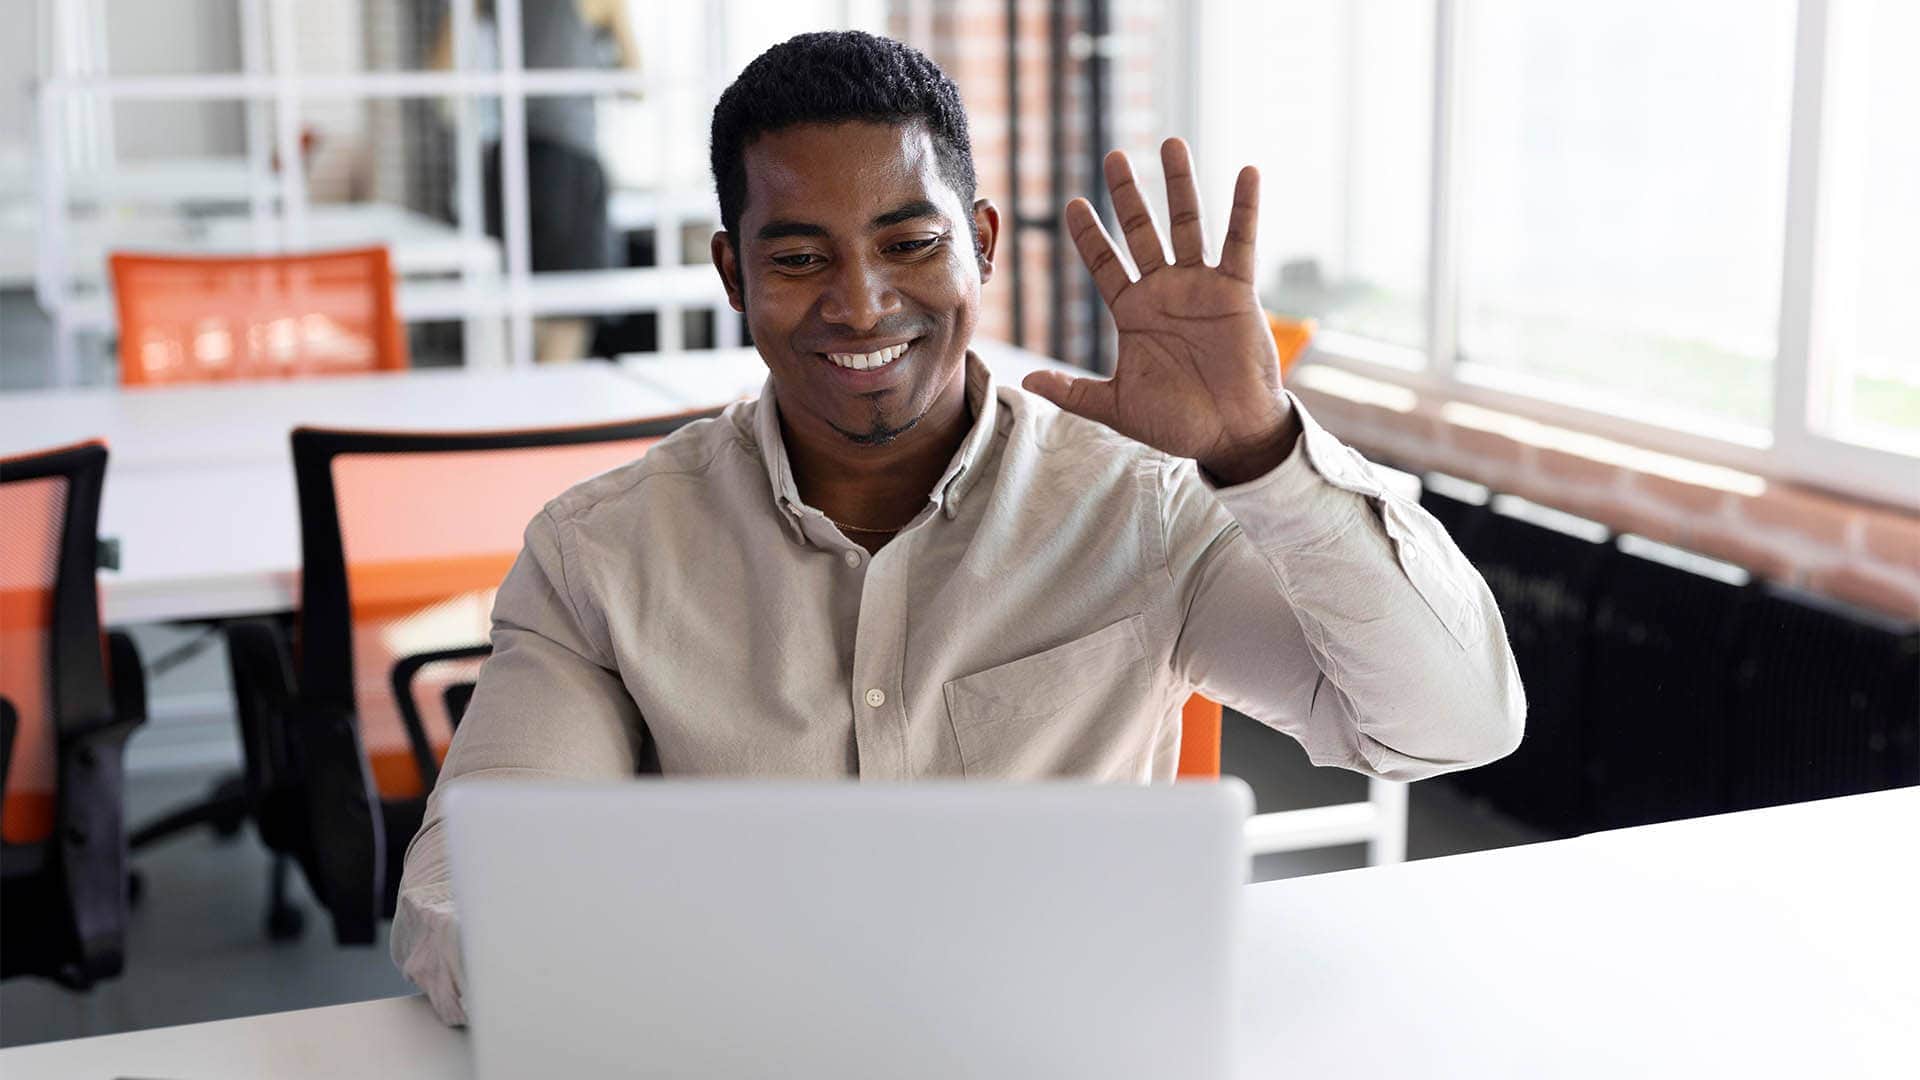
(832, 77)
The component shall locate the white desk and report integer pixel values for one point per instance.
(199, 487)
(1776, 943)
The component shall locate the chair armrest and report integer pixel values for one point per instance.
(456, 698)
(307, 776)
(404, 670)
(263, 692)
(126, 677)
(92, 839)
(9, 723)
(343, 829)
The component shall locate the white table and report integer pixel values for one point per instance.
(1774, 943)
(199, 487)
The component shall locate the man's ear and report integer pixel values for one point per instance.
(986, 234)
(727, 262)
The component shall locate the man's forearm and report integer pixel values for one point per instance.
(426, 930)
(1415, 676)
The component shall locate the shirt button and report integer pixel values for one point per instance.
(852, 557)
(876, 697)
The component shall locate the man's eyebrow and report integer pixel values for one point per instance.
(919, 208)
(779, 230)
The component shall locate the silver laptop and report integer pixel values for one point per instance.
(709, 929)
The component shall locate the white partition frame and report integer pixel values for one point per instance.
(271, 79)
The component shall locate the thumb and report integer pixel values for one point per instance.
(1091, 398)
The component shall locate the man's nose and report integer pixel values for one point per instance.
(859, 296)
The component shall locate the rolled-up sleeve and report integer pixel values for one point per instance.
(1327, 607)
(548, 704)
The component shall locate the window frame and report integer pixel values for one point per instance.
(1795, 448)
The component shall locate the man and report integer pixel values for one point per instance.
(889, 567)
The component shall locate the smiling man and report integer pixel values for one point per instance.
(889, 566)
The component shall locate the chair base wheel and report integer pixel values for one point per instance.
(228, 801)
(285, 923)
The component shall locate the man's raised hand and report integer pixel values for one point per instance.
(1197, 374)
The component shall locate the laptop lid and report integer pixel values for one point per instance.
(942, 930)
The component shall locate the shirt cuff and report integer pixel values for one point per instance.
(1318, 490)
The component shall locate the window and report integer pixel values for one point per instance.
(1689, 226)
(1868, 336)
(1622, 175)
(1332, 101)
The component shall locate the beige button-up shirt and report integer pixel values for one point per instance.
(1061, 595)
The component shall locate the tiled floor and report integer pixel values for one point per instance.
(197, 950)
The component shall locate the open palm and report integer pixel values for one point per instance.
(1198, 374)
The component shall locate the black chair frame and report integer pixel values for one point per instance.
(404, 671)
(306, 765)
(66, 898)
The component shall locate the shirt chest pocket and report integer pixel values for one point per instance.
(1078, 709)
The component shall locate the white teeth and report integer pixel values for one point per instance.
(868, 361)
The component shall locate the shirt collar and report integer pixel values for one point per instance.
(983, 396)
(961, 474)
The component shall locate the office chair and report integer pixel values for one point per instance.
(400, 561)
(1291, 337)
(1199, 739)
(209, 318)
(9, 724)
(70, 699)
(190, 319)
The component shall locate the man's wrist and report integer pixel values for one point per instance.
(1257, 457)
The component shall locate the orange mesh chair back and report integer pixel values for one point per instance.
(406, 540)
(1291, 337)
(189, 319)
(1199, 739)
(62, 845)
(33, 514)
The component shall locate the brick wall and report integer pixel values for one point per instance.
(969, 41)
(1855, 551)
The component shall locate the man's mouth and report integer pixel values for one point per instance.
(868, 361)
